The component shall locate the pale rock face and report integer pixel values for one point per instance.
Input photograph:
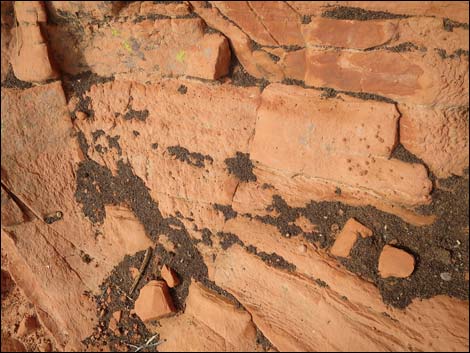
(214, 323)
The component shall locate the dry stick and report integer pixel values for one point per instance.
(120, 290)
(147, 344)
(148, 253)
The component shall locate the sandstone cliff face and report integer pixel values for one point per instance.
(299, 168)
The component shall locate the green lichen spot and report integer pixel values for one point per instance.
(180, 56)
(127, 46)
(115, 32)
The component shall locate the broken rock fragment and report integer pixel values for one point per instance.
(28, 325)
(154, 301)
(30, 58)
(165, 47)
(348, 237)
(394, 262)
(170, 276)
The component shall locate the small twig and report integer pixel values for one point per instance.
(17, 35)
(148, 253)
(132, 346)
(151, 339)
(120, 290)
(146, 345)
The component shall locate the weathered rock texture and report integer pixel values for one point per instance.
(296, 171)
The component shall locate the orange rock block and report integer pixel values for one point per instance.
(395, 262)
(154, 301)
(348, 237)
(170, 276)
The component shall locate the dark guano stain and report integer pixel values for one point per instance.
(78, 86)
(182, 89)
(306, 19)
(405, 47)
(265, 344)
(240, 77)
(54, 217)
(192, 158)
(226, 210)
(97, 187)
(141, 115)
(456, 54)
(438, 248)
(241, 166)
(369, 96)
(449, 25)
(329, 92)
(273, 259)
(97, 134)
(113, 142)
(11, 81)
(113, 297)
(273, 57)
(358, 14)
(207, 237)
(228, 239)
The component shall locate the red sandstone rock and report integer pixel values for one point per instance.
(27, 326)
(210, 322)
(117, 315)
(242, 13)
(170, 276)
(412, 77)
(91, 9)
(305, 224)
(349, 34)
(167, 47)
(439, 136)
(273, 23)
(347, 238)
(10, 344)
(154, 301)
(11, 212)
(395, 262)
(151, 8)
(257, 62)
(455, 10)
(29, 55)
(40, 156)
(134, 272)
(249, 279)
(113, 325)
(353, 155)
(6, 33)
(414, 31)
(210, 58)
